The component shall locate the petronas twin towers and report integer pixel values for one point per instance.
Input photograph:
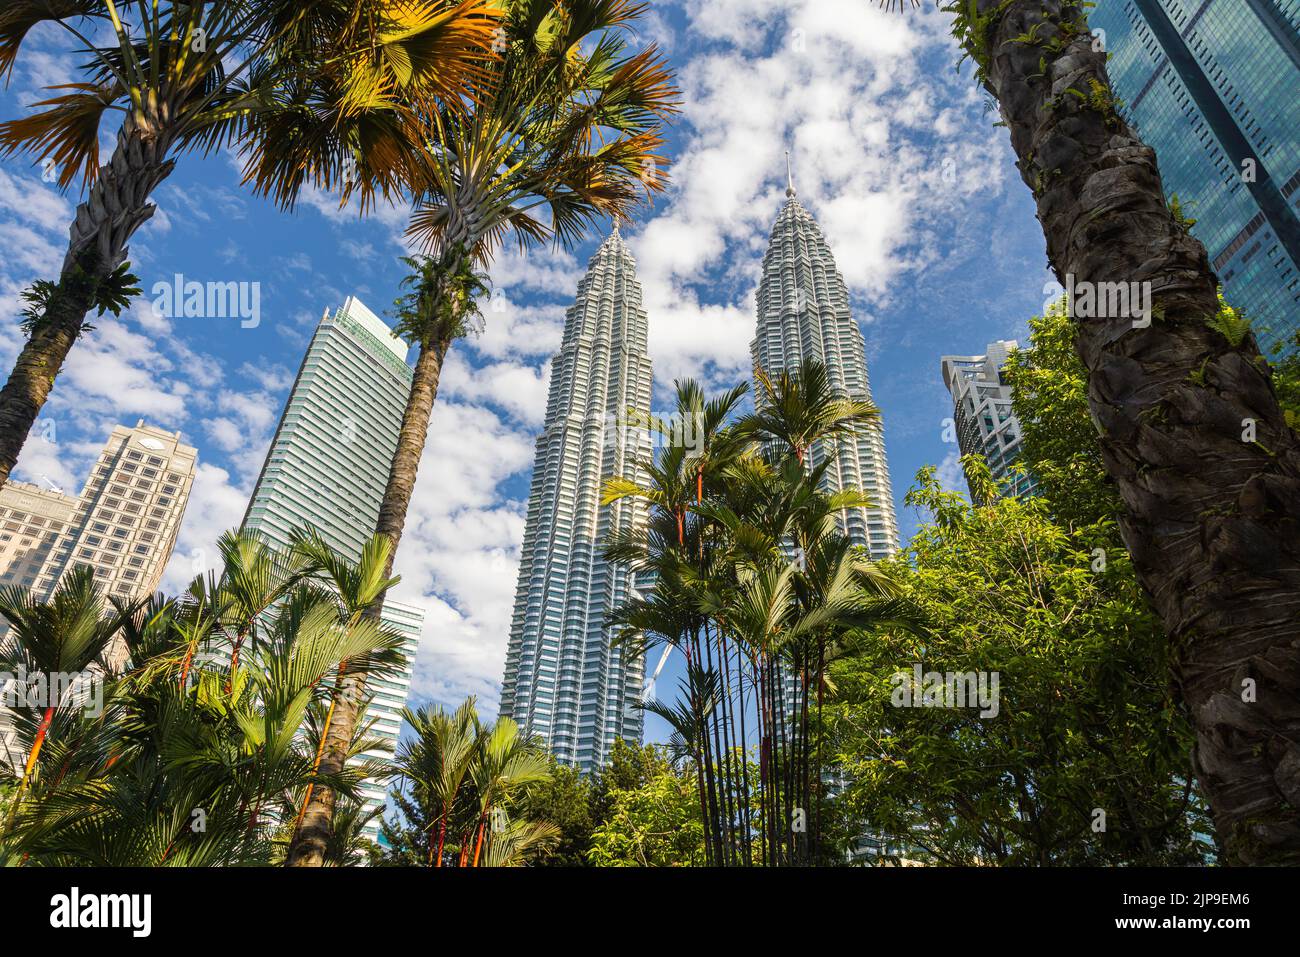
(563, 680)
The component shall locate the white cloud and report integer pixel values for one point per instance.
(518, 389)
(460, 551)
(215, 506)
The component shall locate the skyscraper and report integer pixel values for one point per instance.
(327, 468)
(803, 312)
(563, 680)
(127, 516)
(1212, 86)
(982, 416)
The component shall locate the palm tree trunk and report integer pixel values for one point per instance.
(317, 826)
(1190, 426)
(118, 204)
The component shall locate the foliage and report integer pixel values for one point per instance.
(112, 294)
(1059, 443)
(562, 127)
(320, 93)
(760, 590)
(566, 801)
(1286, 379)
(1084, 717)
(1042, 592)
(465, 783)
(441, 301)
(201, 747)
(649, 813)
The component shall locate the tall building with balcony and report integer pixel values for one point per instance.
(564, 681)
(803, 312)
(982, 416)
(327, 468)
(1214, 87)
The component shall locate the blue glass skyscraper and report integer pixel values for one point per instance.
(1214, 87)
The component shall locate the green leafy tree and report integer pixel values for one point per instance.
(649, 813)
(1079, 756)
(566, 801)
(1286, 379)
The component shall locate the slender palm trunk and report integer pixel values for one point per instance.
(1191, 430)
(117, 205)
(41, 732)
(318, 821)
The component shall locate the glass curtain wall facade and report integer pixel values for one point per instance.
(1214, 87)
(327, 469)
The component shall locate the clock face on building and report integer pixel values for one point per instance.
(152, 444)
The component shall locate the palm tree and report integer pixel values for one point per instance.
(463, 778)
(757, 586)
(312, 91)
(207, 771)
(506, 761)
(53, 641)
(799, 406)
(560, 130)
(437, 762)
(1191, 430)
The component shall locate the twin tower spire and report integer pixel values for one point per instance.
(564, 681)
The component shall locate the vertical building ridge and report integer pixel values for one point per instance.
(803, 312)
(564, 682)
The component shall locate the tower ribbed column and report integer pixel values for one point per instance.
(563, 680)
(803, 311)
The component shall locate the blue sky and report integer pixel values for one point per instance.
(894, 153)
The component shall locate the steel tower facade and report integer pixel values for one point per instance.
(803, 311)
(564, 681)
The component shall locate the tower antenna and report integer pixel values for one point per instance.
(789, 177)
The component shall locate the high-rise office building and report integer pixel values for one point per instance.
(32, 519)
(563, 680)
(982, 416)
(803, 312)
(1214, 87)
(327, 469)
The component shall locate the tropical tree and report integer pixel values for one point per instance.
(651, 819)
(185, 758)
(437, 761)
(565, 800)
(1067, 749)
(1191, 428)
(51, 643)
(316, 92)
(559, 130)
(760, 589)
(463, 780)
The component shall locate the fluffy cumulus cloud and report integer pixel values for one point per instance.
(460, 551)
(851, 92)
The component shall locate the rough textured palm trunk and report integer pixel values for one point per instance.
(1212, 517)
(308, 849)
(118, 204)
